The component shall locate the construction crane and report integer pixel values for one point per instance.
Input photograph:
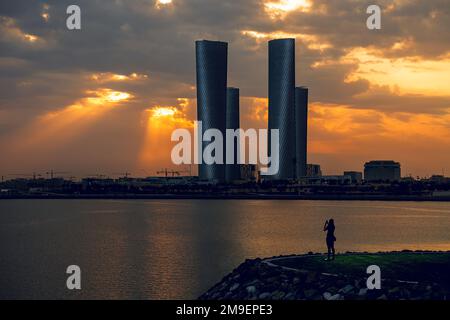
(25, 175)
(168, 172)
(52, 173)
(125, 174)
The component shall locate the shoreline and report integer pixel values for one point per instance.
(330, 197)
(405, 275)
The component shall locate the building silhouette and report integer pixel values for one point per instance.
(301, 131)
(281, 103)
(211, 66)
(382, 171)
(218, 108)
(355, 176)
(313, 170)
(233, 171)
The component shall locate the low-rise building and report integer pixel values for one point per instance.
(355, 176)
(313, 170)
(382, 171)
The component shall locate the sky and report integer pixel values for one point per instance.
(105, 99)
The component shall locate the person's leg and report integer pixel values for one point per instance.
(328, 250)
(332, 250)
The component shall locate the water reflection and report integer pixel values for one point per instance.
(140, 249)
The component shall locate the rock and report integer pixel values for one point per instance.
(251, 290)
(216, 296)
(340, 283)
(332, 290)
(362, 292)
(394, 292)
(255, 283)
(327, 295)
(310, 293)
(311, 277)
(347, 289)
(264, 296)
(336, 297)
(278, 295)
(290, 296)
(234, 286)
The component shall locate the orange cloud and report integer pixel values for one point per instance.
(343, 138)
(11, 32)
(335, 132)
(411, 75)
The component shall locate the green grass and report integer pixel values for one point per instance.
(399, 266)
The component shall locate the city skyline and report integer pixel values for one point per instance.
(103, 99)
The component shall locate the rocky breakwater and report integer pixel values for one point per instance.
(262, 280)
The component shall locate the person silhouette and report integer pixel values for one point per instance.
(329, 228)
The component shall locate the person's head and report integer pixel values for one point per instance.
(331, 222)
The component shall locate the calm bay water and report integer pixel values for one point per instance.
(177, 249)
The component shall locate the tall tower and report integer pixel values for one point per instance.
(301, 130)
(212, 60)
(281, 103)
(232, 171)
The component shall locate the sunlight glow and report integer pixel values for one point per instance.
(159, 112)
(159, 122)
(105, 96)
(161, 3)
(30, 37)
(45, 16)
(313, 42)
(113, 77)
(279, 9)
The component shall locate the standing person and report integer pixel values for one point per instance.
(329, 228)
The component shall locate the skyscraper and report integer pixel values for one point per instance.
(232, 171)
(212, 60)
(281, 103)
(301, 130)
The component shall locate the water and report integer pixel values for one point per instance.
(177, 249)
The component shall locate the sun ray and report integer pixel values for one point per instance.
(60, 126)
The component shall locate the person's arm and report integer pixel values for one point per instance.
(325, 227)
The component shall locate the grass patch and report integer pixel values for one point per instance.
(433, 267)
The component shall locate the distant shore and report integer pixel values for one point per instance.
(252, 196)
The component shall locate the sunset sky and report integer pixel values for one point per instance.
(105, 99)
